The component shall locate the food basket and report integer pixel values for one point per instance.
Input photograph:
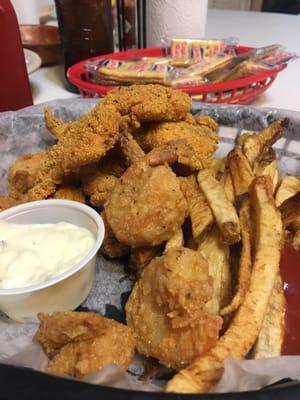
(240, 91)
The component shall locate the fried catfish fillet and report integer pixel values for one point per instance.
(23, 172)
(79, 343)
(147, 205)
(98, 180)
(244, 328)
(67, 192)
(201, 139)
(55, 125)
(6, 202)
(145, 103)
(83, 142)
(222, 208)
(166, 308)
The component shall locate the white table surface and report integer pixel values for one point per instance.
(252, 28)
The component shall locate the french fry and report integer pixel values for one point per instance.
(240, 171)
(226, 181)
(199, 211)
(289, 187)
(271, 335)
(130, 147)
(245, 265)
(222, 208)
(253, 145)
(296, 241)
(218, 167)
(111, 246)
(216, 254)
(140, 257)
(244, 328)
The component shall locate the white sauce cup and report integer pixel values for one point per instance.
(65, 291)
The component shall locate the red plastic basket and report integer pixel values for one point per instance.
(240, 91)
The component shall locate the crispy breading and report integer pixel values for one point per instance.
(205, 120)
(130, 148)
(55, 125)
(244, 328)
(140, 257)
(147, 205)
(203, 144)
(240, 171)
(149, 102)
(67, 192)
(60, 328)
(23, 172)
(222, 208)
(166, 308)
(177, 240)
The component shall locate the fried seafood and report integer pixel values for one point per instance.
(147, 205)
(140, 257)
(146, 103)
(201, 139)
(98, 180)
(111, 247)
(84, 142)
(205, 371)
(79, 343)
(167, 308)
(223, 210)
(23, 173)
(65, 192)
(55, 125)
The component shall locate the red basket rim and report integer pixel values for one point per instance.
(75, 72)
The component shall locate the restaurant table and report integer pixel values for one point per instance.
(251, 28)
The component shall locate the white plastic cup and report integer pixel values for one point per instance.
(27, 11)
(181, 19)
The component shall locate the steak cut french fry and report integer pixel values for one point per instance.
(244, 328)
(289, 187)
(199, 211)
(245, 265)
(216, 254)
(271, 335)
(290, 211)
(253, 145)
(222, 208)
(240, 171)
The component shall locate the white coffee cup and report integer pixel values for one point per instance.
(182, 19)
(27, 11)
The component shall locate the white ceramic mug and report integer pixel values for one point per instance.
(27, 11)
(182, 19)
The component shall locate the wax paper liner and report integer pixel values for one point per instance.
(23, 131)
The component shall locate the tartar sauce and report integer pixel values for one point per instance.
(35, 253)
